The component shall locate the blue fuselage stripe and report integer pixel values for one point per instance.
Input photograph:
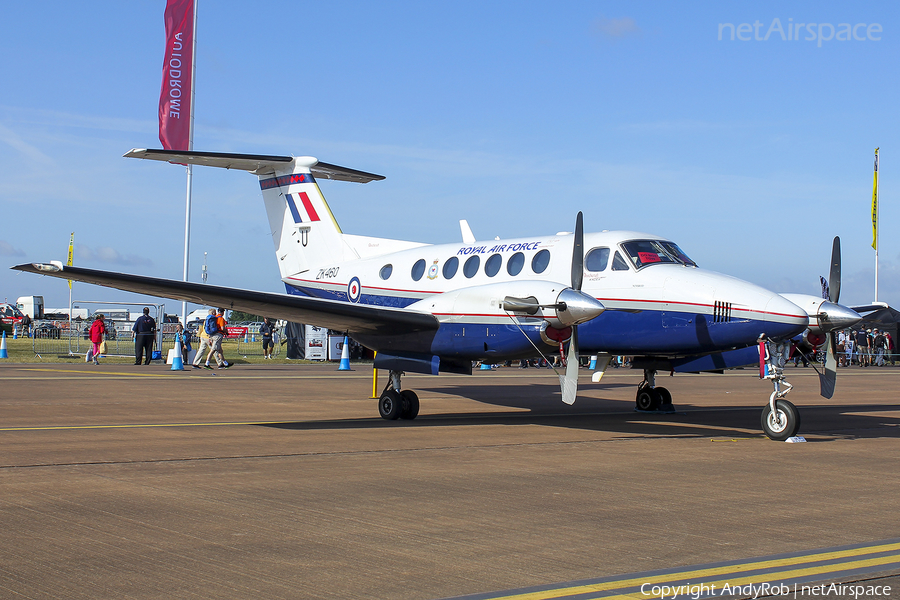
(657, 332)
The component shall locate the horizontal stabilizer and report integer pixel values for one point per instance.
(332, 314)
(255, 163)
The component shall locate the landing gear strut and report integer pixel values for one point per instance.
(652, 398)
(396, 404)
(780, 419)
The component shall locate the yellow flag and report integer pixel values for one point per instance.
(875, 205)
(69, 261)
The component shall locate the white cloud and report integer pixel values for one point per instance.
(109, 255)
(616, 28)
(12, 139)
(7, 249)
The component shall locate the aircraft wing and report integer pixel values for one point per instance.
(341, 316)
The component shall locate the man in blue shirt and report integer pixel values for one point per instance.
(143, 332)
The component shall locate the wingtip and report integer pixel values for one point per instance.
(54, 266)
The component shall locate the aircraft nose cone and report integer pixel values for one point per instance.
(834, 316)
(580, 307)
(784, 318)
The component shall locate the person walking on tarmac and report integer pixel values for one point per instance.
(96, 333)
(204, 340)
(217, 328)
(266, 330)
(143, 332)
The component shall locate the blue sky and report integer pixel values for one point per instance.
(752, 155)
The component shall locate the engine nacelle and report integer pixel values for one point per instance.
(558, 304)
(824, 316)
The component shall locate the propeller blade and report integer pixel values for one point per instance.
(828, 379)
(578, 253)
(568, 383)
(834, 278)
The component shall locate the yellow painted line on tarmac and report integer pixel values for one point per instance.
(170, 373)
(140, 425)
(774, 573)
(166, 374)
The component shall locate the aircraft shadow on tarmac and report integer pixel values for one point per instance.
(595, 412)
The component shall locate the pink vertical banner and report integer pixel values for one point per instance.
(175, 95)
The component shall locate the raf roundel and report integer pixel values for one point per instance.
(354, 289)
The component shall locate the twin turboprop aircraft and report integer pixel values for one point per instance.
(433, 308)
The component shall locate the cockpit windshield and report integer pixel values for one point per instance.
(678, 253)
(648, 252)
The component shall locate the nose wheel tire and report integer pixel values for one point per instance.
(390, 405)
(783, 423)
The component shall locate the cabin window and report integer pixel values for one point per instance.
(418, 269)
(492, 265)
(596, 260)
(619, 263)
(450, 267)
(515, 263)
(471, 266)
(541, 261)
(386, 271)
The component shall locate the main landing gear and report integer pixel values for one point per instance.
(652, 398)
(396, 404)
(780, 419)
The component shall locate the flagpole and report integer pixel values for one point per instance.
(69, 263)
(190, 170)
(875, 210)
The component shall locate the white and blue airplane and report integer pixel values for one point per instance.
(437, 308)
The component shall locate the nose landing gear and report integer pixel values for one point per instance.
(780, 419)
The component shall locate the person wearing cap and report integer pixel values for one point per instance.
(878, 343)
(143, 332)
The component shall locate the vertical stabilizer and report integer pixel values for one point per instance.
(305, 233)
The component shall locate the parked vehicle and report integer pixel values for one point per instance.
(47, 331)
(9, 314)
(33, 306)
(110, 330)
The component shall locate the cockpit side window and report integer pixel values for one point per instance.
(646, 252)
(618, 263)
(596, 260)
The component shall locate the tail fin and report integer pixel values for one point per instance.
(304, 231)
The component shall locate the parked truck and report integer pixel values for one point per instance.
(33, 306)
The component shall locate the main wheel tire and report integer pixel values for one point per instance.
(390, 404)
(665, 396)
(783, 423)
(410, 408)
(647, 398)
